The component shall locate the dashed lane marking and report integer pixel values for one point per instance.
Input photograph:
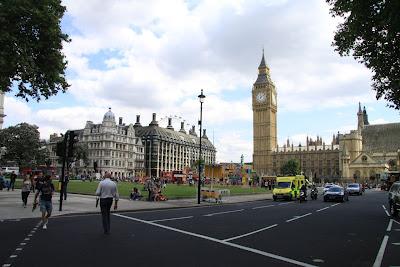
(173, 219)
(298, 217)
(6, 265)
(254, 232)
(286, 203)
(262, 207)
(333, 205)
(389, 228)
(256, 251)
(387, 213)
(223, 212)
(13, 256)
(322, 209)
(379, 257)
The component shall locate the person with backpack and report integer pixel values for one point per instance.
(46, 190)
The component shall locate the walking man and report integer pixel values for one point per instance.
(46, 191)
(107, 190)
(13, 177)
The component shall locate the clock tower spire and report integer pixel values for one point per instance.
(264, 120)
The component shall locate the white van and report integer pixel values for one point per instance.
(10, 170)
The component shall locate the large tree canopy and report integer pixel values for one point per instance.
(371, 34)
(31, 39)
(22, 145)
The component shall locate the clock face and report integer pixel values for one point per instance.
(261, 97)
(273, 99)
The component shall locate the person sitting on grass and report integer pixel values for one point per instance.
(135, 194)
(158, 196)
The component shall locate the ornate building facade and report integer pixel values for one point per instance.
(167, 150)
(113, 147)
(359, 155)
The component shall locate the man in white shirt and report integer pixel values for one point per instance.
(107, 190)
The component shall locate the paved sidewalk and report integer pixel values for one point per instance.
(11, 204)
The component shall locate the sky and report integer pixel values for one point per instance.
(154, 56)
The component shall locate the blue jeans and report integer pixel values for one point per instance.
(46, 206)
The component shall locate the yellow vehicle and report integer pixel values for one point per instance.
(288, 187)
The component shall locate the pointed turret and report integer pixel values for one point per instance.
(365, 117)
(263, 72)
(360, 118)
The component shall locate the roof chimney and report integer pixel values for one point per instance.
(170, 124)
(137, 124)
(204, 134)
(193, 131)
(154, 122)
(182, 130)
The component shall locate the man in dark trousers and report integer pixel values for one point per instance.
(66, 180)
(13, 177)
(107, 191)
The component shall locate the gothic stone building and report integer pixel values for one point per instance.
(360, 154)
(167, 150)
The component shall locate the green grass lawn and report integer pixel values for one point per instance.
(172, 191)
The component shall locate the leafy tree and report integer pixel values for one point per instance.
(371, 34)
(30, 48)
(21, 144)
(291, 167)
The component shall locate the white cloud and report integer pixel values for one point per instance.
(156, 56)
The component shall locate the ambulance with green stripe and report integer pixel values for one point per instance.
(288, 187)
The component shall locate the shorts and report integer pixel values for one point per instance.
(46, 206)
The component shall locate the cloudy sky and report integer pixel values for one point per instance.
(140, 57)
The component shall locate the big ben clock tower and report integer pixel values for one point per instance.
(264, 120)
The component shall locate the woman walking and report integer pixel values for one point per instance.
(25, 189)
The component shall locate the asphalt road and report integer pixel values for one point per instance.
(262, 233)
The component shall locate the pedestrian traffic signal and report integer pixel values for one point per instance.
(72, 139)
(60, 149)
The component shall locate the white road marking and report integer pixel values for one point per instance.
(396, 222)
(333, 205)
(6, 265)
(379, 257)
(224, 212)
(13, 256)
(261, 207)
(172, 219)
(18, 249)
(387, 213)
(389, 228)
(257, 231)
(298, 217)
(322, 209)
(286, 203)
(256, 251)
(396, 244)
(22, 244)
(27, 239)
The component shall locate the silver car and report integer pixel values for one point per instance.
(336, 193)
(354, 189)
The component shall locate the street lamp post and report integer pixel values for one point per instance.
(201, 99)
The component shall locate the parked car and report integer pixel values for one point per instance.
(394, 199)
(336, 193)
(354, 189)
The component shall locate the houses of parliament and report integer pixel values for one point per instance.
(361, 154)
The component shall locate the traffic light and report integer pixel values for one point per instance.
(72, 139)
(60, 149)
